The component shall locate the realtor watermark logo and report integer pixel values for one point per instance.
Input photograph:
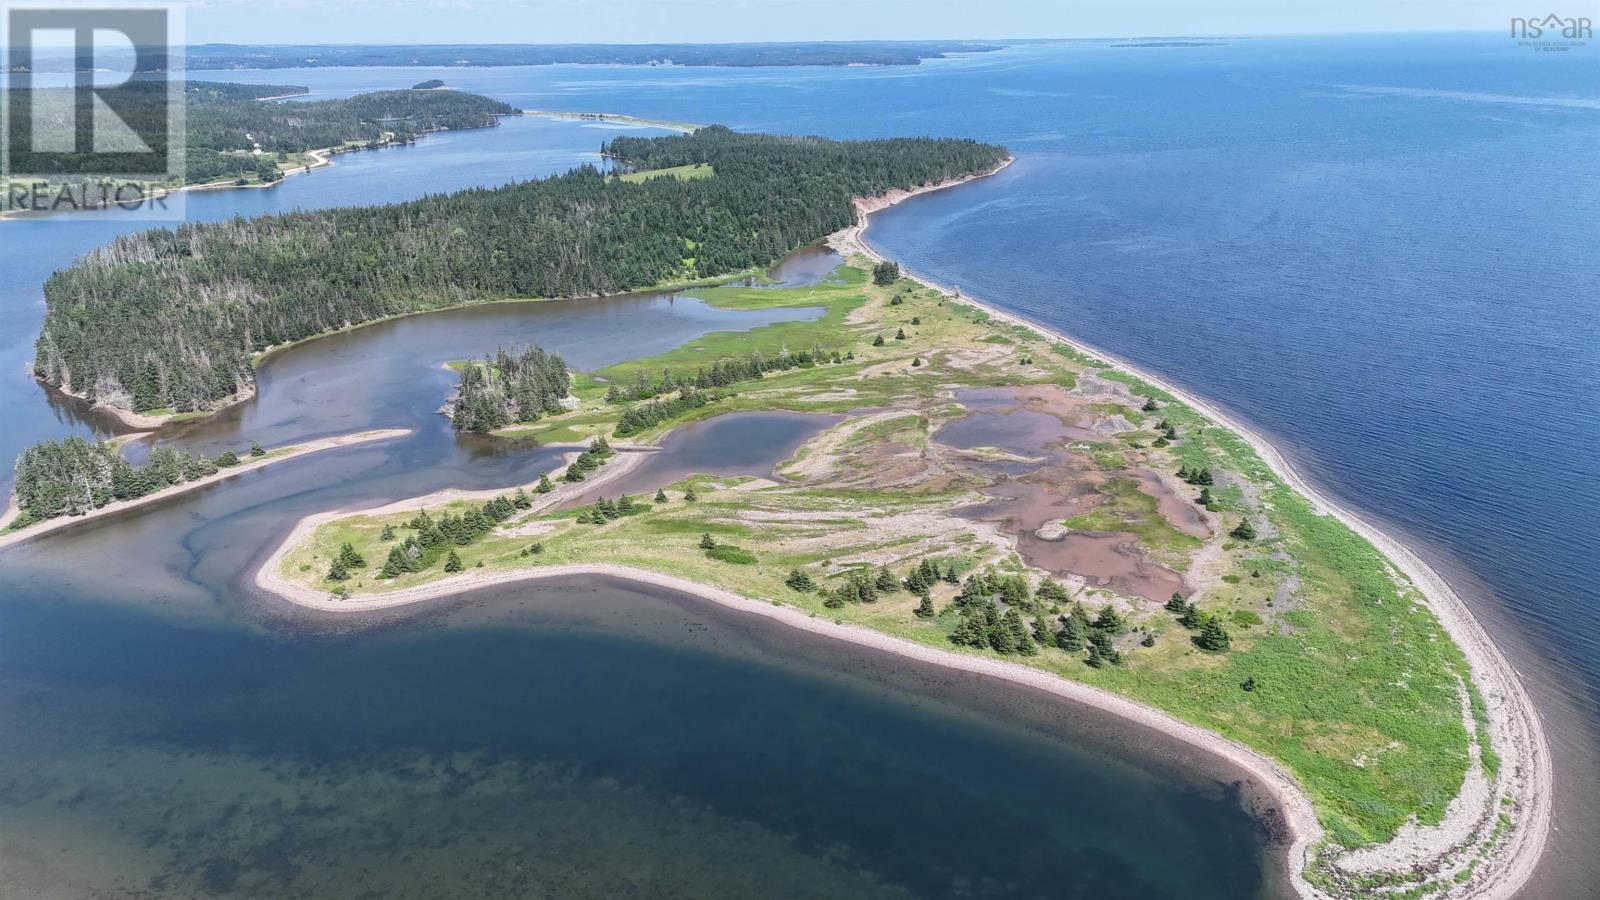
(1552, 33)
(92, 112)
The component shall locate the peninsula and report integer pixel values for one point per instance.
(238, 135)
(991, 496)
(37, 508)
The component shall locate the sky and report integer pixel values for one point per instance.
(709, 21)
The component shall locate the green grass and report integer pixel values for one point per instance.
(1356, 683)
(682, 173)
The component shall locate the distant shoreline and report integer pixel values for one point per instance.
(249, 464)
(614, 118)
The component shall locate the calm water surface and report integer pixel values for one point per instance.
(1378, 251)
(166, 731)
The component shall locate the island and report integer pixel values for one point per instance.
(238, 135)
(791, 53)
(978, 492)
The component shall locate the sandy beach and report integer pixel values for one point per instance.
(248, 464)
(1516, 733)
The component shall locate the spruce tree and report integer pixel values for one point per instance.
(1244, 532)
(255, 449)
(349, 556)
(661, 496)
(452, 563)
(798, 580)
(1177, 603)
(397, 563)
(925, 607)
(886, 581)
(707, 542)
(877, 341)
(387, 534)
(690, 496)
(1191, 617)
(337, 571)
(545, 486)
(1213, 637)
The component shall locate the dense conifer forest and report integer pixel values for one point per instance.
(73, 476)
(171, 318)
(226, 124)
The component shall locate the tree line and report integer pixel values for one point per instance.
(171, 317)
(71, 477)
(225, 124)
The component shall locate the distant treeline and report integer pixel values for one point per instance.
(170, 318)
(226, 124)
(804, 53)
(507, 388)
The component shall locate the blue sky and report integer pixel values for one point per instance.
(642, 21)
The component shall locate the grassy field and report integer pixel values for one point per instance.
(682, 173)
(1355, 686)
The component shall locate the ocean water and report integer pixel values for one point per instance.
(1378, 251)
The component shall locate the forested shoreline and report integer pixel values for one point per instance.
(72, 477)
(171, 318)
(233, 131)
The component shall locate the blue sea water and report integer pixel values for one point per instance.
(1378, 251)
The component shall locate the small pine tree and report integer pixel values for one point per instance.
(1249, 684)
(690, 496)
(798, 580)
(877, 341)
(1149, 639)
(707, 542)
(452, 563)
(1244, 532)
(1213, 637)
(227, 459)
(925, 607)
(1150, 405)
(886, 581)
(1177, 603)
(832, 599)
(916, 320)
(349, 556)
(545, 486)
(950, 575)
(1205, 499)
(397, 563)
(255, 449)
(661, 495)
(899, 334)
(337, 571)
(916, 362)
(1108, 620)
(1191, 617)
(387, 534)
(536, 548)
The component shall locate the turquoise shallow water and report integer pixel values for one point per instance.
(1378, 251)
